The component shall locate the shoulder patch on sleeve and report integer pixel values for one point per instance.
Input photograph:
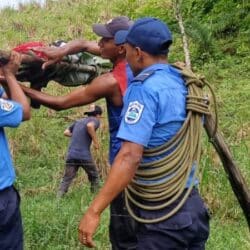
(142, 77)
(6, 105)
(133, 112)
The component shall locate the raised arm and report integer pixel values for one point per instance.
(76, 46)
(103, 86)
(55, 54)
(13, 89)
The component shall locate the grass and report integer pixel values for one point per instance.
(39, 147)
(48, 233)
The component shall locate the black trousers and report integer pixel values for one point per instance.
(71, 169)
(188, 229)
(11, 230)
(122, 228)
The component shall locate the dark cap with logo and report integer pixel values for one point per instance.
(96, 111)
(149, 34)
(109, 29)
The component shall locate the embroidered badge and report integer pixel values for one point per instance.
(6, 106)
(133, 112)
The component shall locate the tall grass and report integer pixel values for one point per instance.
(39, 147)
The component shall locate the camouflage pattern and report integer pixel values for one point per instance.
(74, 70)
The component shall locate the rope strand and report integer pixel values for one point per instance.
(182, 152)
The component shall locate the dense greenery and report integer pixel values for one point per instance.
(218, 34)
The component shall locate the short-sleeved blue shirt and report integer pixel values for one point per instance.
(154, 108)
(10, 116)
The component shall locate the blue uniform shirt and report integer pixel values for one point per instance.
(10, 116)
(154, 108)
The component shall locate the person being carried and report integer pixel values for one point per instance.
(111, 86)
(14, 108)
(161, 188)
(82, 133)
(73, 70)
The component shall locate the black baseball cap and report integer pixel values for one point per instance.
(97, 111)
(109, 29)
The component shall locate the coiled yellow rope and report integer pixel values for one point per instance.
(185, 150)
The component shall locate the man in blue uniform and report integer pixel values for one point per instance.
(82, 132)
(12, 112)
(154, 111)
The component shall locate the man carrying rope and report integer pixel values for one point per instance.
(160, 153)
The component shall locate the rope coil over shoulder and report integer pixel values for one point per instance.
(184, 151)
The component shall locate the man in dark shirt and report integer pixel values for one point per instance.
(82, 133)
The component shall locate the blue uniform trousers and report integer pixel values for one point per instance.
(122, 228)
(188, 229)
(11, 230)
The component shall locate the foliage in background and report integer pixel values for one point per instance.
(226, 22)
(219, 50)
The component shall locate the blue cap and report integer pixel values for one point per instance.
(149, 34)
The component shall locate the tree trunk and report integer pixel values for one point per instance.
(236, 180)
(177, 4)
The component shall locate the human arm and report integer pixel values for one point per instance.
(80, 45)
(122, 172)
(103, 86)
(12, 87)
(92, 132)
(3, 82)
(67, 132)
(55, 54)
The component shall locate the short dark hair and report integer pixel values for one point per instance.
(95, 112)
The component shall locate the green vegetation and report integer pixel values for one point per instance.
(219, 42)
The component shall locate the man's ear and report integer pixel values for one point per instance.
(138, 54)
(122, 49)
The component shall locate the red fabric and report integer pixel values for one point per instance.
(119, 72)
(25, 47)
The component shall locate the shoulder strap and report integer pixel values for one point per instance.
(142, 77)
